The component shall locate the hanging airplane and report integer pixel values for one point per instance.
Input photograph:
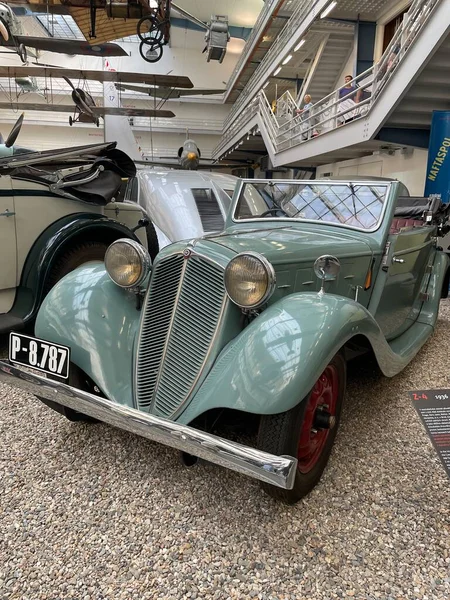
(189, 155)
(166, 93)
(84, 105)
(85, 108)
(12, 36)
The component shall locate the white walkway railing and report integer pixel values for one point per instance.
(338, 108)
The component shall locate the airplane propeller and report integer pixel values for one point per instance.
(78, 98)
(14, 133)
(4, 31)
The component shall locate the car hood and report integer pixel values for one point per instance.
(294, 244)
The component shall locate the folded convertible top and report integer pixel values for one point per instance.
(102, 169)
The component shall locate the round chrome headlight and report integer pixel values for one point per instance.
(127, 263)
(249, 280)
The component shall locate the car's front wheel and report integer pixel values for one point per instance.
(307, 431)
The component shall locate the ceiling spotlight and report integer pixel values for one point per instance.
(248, 136)
(328, 9)
(277, 71)
(287, 59)
(299, 45)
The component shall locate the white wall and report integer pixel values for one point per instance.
(409, 169)
(37, 137)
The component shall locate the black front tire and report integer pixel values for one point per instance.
(280, 435)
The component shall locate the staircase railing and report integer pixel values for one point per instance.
(286, 106)
(293, 25)
(263, 17)
(340, 106)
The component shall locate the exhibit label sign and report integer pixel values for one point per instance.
(433, 407)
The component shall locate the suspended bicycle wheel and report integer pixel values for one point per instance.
(150, 54)
(148, 27)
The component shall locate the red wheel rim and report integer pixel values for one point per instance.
(323, 397)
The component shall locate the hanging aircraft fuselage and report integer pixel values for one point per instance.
(189, 155)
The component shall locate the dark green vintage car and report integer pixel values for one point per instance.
(258, 319)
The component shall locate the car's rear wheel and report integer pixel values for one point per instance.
(76, 256)
(307, 431)
(81, 381)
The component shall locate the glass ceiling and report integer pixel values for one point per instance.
(60, 26)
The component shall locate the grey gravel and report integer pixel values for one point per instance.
(93, 513)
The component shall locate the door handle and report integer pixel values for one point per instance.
(398, 260)
(7, 213)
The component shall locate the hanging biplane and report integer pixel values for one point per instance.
(85, 108)
(12, 36)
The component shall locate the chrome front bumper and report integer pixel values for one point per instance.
(276, 470)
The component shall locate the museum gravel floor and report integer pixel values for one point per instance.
(105, 515)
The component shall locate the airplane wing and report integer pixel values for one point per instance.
(106, 29)
(133, 112)
(166, 81)
(163, 92)
(70, 46)
(97, 110)
(173, 163)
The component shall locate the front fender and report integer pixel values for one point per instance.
(98, 320)
(45, 252)
(273, 364)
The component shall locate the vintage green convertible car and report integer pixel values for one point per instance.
(258, 319)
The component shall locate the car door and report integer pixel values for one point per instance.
(407, 261)
(8, 246)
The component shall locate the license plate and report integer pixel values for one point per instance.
(47, 357)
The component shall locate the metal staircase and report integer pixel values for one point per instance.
(333, 53)
(397, 94)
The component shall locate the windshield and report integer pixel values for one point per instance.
(357, 205)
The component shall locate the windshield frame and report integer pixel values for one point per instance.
(378, 182)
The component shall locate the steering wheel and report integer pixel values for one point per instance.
(274, 210)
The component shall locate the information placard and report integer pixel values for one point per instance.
(433, 407)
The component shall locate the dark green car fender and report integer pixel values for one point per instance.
(49, 245)
(99, 322)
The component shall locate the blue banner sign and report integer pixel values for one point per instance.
(438, 168)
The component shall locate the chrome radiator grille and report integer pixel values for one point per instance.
(182, 313)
